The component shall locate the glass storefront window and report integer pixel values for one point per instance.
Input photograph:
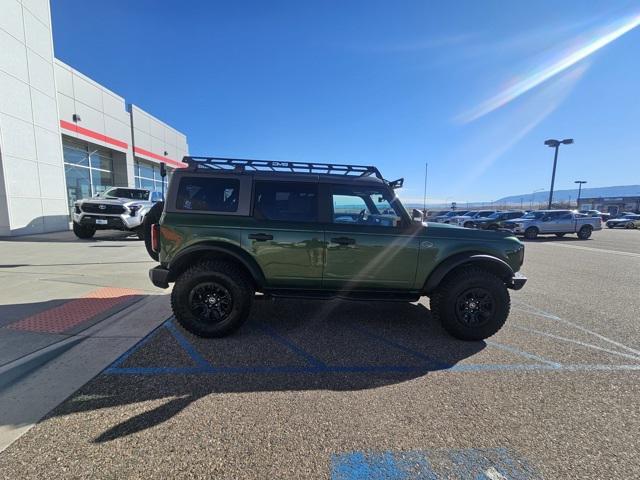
(88, 170)
(147, 175)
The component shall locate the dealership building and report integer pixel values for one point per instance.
(63, 136)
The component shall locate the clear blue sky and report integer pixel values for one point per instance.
(472, 87)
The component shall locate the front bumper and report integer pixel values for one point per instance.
(517, 282)
(159, 276)
(113, 222)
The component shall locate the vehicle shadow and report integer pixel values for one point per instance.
(287, 345)
(553, 238)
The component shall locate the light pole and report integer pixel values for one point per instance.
(555, 144)
(579, 182)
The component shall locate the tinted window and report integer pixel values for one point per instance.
(208, 194)
(291, 202)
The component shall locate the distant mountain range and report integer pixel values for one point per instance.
(542, 196)
(566, 195)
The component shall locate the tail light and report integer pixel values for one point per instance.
(155, 237)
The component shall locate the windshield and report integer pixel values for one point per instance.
(495, 215)
(130, 193)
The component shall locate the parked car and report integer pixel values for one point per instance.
(234, 227)
(557, 222)
(596, 213)
(469, 218)
(118, 208)
(446, 218)
(432, 215)
(630, 220)
(497, 219)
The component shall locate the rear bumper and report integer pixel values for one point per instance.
(517, 282)
(159, 276)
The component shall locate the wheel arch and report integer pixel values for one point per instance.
(487, 262)
(217, 250)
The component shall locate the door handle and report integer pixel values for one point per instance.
(260, 237)
(343, 241)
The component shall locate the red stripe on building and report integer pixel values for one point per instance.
(90, 133)
(74, 312)
(155, 156)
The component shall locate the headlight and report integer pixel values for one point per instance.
(133, 209)
(76, 209)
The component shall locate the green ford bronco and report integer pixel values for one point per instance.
(230, 228)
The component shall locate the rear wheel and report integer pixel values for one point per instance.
(531, 233)
(212, 298)
(630, 225)
(585, 232)
(82, 231)
(471, 304)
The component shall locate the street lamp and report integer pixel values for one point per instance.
(579, 182)
(555, 144)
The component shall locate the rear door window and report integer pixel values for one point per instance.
(208, 194)
(286, 201)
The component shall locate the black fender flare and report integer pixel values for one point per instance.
(213, 248)
(494, 264)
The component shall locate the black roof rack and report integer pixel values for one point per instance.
(241, 165)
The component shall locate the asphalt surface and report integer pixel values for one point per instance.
(349, 390)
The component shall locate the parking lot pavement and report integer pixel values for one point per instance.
(67, 309)
(348, 390)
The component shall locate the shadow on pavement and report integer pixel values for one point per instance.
(287, 345)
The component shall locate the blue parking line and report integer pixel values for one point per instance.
(271, 332)
(188, 347)
(432, 362)
(123, 358)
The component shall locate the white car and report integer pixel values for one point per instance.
(468, 219)
(118, 208)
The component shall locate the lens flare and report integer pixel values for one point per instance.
(578, 53)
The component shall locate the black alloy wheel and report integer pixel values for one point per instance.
(475, 307)
(211, 302)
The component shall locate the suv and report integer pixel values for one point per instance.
(497, 220)
(230, 228)
(118, 208)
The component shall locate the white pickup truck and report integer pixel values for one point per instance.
(556, 222)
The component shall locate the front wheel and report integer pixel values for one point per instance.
(468, 225)
(212, 298)
(471, 304)
(585, 232)
(630, 225)
(83, 232)
(531, 233)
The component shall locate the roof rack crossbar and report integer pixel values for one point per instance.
(220, 163)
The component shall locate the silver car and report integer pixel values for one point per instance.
(118, 208)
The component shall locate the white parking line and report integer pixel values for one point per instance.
(577, 342)
(536, 311)
(591, 249)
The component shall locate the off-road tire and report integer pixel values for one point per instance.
(585, 232)
(531, 233)
(455, 286)
(83, 232)
(560, 235)
(152, 216)
(212, 272)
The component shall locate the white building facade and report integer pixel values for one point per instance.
(63, 136)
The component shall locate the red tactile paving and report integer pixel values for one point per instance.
(68, 315)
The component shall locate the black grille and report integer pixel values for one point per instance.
(102, 208)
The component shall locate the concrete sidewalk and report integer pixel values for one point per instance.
(68, 308)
